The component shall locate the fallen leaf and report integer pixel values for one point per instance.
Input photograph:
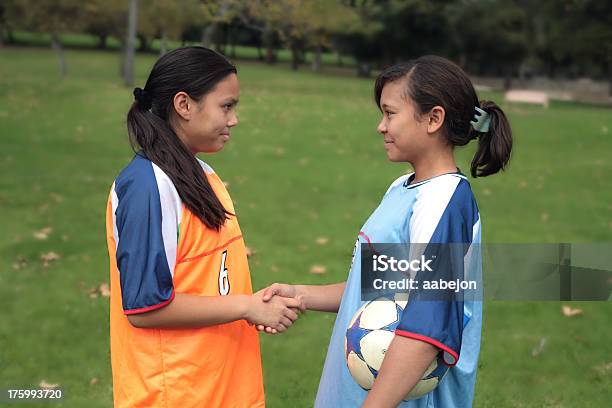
(56, 197)
(226, 184)
(249, 252)
(603, 368)
(43, 233)
(93, 381)
(20, 263)
(318, 269)
(274, 268)
(568, 311)
(322, 240)
(47, 386)
(539, 348)
(93, 293)
(49, 257)
(104, 290)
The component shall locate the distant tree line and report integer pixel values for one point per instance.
(509, 38)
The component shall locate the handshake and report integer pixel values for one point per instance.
(274, 309)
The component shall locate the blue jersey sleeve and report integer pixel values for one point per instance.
(145, 274)
(445, 213)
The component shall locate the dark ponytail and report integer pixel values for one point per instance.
(435, 81)
(196, 71)
(494, 146)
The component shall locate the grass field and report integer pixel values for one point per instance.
(304, 163)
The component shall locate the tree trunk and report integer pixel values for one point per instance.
(610, 78)
(102, 41)
(128, 75)
(316, 58)
(232, 41)
(207, 33)
(462, 60)
(339, 59)
(145, 44)
(56, 44)
(259, 54)
(270, 55)
(507, 80)
(163, 42)
(295, 58)
(268, 39)
(363, 69)
(122, 57)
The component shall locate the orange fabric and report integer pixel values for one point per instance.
(217, 366)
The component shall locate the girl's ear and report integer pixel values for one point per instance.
(436, 119)
(183, 105)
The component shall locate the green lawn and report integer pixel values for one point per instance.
(305, 162)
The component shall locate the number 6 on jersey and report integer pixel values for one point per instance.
(224, 284)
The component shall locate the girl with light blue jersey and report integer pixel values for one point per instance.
(429, 107)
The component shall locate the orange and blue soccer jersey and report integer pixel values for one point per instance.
(158, 248)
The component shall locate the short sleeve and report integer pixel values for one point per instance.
(145, 216)
(444, 213)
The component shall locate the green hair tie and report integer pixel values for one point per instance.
(481, 121)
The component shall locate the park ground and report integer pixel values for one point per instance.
(305, 168)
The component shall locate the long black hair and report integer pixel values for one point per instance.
(435, 81)
(195, 71)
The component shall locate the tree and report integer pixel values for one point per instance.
(489, 36)
(360, 39)
(168, 19)
(130, 43)
(298, 24)
(256, 15)
(108, 18)
(582, 35)
(53, 17)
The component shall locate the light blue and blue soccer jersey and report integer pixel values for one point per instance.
(435, 211)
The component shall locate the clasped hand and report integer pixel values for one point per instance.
(276, 308)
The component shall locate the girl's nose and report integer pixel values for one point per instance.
(233, 121)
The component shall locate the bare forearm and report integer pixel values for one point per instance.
(404, 365)
(192, 311)
(323, 298)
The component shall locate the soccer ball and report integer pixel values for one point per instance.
(368, 337)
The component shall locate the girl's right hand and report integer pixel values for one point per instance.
(278, 313)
